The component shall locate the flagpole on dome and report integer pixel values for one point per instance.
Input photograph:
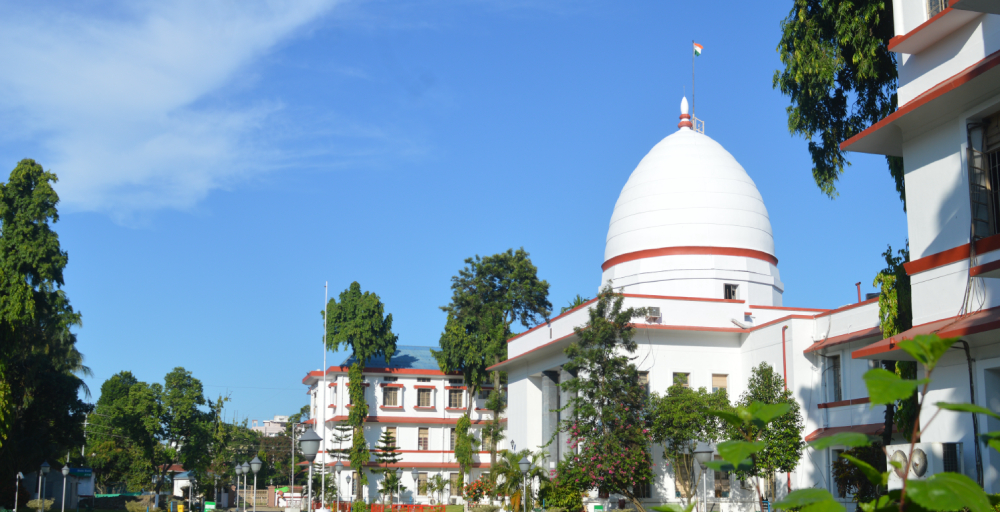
(695, 51)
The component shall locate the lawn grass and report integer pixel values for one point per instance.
(453, 508)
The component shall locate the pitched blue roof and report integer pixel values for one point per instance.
(405, 358)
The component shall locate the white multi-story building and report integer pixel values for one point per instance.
(413, 400)
(270, 428)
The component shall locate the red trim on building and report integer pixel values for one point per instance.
(331, 406)
(815, 310)
(693, 250)
(844, 403)
(412, 420)
(424, 387)
(897, 40)
(456, 387)
(392, 385)
(332, 384)
(391, 407)
(844, 338)
(984, 268)
(425, 408)
(948, 85)
(974, 323)
(949, 256)
(455, 409)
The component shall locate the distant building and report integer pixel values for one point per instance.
(417, 403)
(271, 428)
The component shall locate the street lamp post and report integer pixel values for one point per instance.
(309, 444)
(703, 456)
(416, 484)
(350, 506)
(17, 488)
(65, 472)
(399, 480)
(191, 482)
(238, 470)
(338, 468)
(255, 467)
(525, 466)
(41, 485)
(246, 476)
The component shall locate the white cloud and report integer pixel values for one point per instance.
(117, 98)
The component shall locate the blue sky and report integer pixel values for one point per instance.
(218, 163)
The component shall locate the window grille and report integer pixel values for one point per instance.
(390, 397)
(392, 435)
(732, 291)
(424, 397)
(390, 379)
(455, 382)
(423, 439)
(834, 376)
(644, 381)
(453, 437)
(484, 394)
(642, 490)
(422, 484)
(423, 379)
(455, 398)
(934, 7)
(453, 482)
(984, 180)
(841, 490)
(950, 457)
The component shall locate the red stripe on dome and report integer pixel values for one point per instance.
(685, 251)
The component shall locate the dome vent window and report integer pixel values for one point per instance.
(732, 291)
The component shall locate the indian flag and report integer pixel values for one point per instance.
(697, 49)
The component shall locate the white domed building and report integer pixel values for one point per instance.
(690, 237)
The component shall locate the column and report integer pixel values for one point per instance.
(550, 414)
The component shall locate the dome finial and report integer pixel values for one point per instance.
(685, 117)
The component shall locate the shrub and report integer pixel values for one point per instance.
(360, 506)
(35, 505)
(135, 506)
(485, 508)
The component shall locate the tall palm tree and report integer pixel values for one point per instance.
(579, 300)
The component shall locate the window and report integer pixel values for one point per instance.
(354, 484)
(424, 397)
(453, 485)
(934, 7)
(392, 434)
(874, 363)
(421, 484)
(721, 482)
(840, 491)
(390, 379)
(833, 378)
(644, 381)
(682, 379)
(642, 490)
(423, 379)
(423, 438)
(720, 381)
(484, 394)
(984, 177)
(455, 398)
(455, 382)
(390, 397)
(452, 445)
(731, 291)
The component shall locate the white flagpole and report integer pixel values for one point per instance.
(692, 78)
(322, 490)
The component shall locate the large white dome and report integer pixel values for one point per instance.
(691, 195)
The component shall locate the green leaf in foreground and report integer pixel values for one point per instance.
(927, 349)
(767, 413)
(883, 503)
(735, 452)
(977, 409)
(948, 491)
(885, 387)
(848, 439)
(873, 475)
(810, 500)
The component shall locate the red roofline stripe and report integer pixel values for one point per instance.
(689, 250)
(948, 85)
(897, 40)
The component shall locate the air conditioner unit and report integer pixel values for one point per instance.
(928, 459)
(653, 314)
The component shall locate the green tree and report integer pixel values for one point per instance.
(465, 442)
(840, 77)
(679, 421)
(116, 459)
(387, 455)
(610, 407)
(489, 295)
(436, 485)
(41, 414)
(576, 302)
(359, 323)
(510, 481)
(782, 437)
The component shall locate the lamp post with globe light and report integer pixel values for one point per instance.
(246, 476)
(309, 444)
(17, 487)
(337, 469)
(65, 473)
(399, 480)
(238, 470)
(255, 467)
(42, 473)
(703, 456)
(525, 466)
